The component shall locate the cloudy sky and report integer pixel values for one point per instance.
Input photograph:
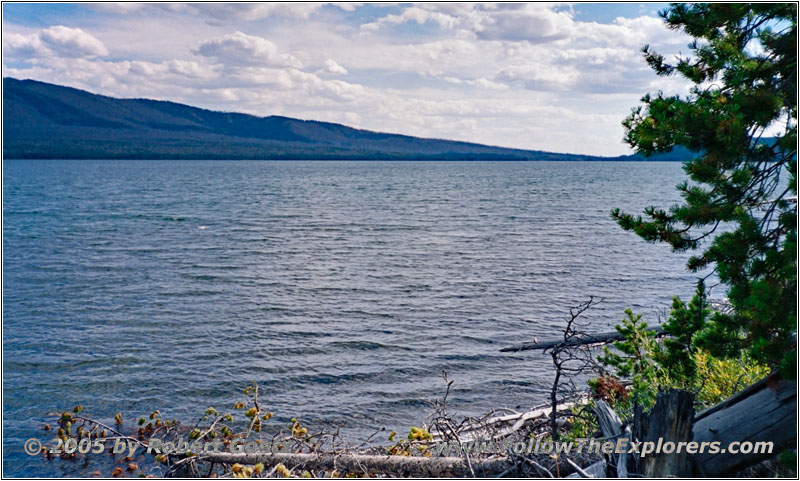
(557, 77)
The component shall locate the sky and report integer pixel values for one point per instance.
(546, 76)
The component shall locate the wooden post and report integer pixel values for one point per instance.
(670, 421)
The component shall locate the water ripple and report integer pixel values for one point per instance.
(343, 288)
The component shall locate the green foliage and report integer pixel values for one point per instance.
(679, 361)
(788, 460)
(717, 379)
(636, 359)
(677, 352)
(582, 423)
(419, 434)
(744, 66)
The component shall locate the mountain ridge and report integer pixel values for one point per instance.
(44, 120)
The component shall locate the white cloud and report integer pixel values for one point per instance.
(349, 6)
(333, 68)
(189, 69)
(241, 49)
(514, 22)
(413, 14)
(223, 12)
(57, 41)
(519, 75)
(25, 47)
(217, 13)
(533, 23)
(118, 7)
(72, 42)
(485, 83)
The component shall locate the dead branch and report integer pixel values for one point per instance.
(585, 340)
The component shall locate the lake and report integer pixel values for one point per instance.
(342, 288)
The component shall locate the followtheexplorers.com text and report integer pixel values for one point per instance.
(535, 446)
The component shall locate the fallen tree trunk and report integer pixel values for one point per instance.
(397, 466)
(766, 412)
(589, 339)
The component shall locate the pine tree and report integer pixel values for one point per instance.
(739, 207)
(677, 355)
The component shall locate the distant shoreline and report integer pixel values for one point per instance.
(48, 121)
(187, 159)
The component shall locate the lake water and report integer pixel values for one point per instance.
(342, 288)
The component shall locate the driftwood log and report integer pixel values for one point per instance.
(764, 412)
(397, 466)
(589, 339)
(501, 426)
(611, 427)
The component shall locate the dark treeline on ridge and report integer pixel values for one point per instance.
(44, 120)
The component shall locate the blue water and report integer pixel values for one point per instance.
(343, 288)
